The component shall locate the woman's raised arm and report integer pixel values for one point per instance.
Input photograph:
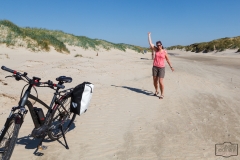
(150, 41)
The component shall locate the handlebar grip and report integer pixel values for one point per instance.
(8, 70)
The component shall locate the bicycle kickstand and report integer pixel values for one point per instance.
(64, 137)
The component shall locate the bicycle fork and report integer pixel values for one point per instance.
(18, 116)
(18, 119)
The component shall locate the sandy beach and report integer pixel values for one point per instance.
(201, 107)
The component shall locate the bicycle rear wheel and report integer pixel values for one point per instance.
(8, 139)
(60, 116)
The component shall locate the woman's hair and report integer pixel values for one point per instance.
(158, 43)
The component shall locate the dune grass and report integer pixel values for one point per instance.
(41, 39)
(215, 45)
(78, 55)
(94, 44)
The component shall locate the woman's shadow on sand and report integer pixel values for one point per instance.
(146, 92)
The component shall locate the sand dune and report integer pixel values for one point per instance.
(124, 120)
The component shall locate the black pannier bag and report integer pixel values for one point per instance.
(80, 98)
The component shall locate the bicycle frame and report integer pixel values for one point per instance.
(24, 101)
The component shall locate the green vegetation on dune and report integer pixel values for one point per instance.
(87, 43)
(215, 45)
(34, 38)
(45, 40)
(41, 39)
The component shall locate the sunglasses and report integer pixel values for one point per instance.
(158, 44)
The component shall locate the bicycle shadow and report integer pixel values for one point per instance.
(29, 142)
(32, 143)
(137, 90)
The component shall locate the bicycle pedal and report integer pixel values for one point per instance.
(42, 147)
(38, 154)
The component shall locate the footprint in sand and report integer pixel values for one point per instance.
(30, 63)
(4, 56)
(2, 82)
(6, 98)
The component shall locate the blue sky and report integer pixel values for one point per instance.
(174, 22)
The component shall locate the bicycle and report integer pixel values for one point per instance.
(55, 124)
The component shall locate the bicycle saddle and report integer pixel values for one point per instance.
(64, 79)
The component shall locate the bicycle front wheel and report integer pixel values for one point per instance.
(8, 139)
(61, 118)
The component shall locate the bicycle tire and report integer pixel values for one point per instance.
(8, 139)
(59, 115)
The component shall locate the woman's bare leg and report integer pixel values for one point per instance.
(161, 86)
(155, 83)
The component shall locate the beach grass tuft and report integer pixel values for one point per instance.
(78, 55)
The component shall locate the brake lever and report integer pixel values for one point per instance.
(9, 76)
(13, 76)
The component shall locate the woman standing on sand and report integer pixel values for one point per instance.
(158, 69)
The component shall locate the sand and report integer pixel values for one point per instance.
(125, 120)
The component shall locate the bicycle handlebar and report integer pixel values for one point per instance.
(59, 86)
(8, 70)
(49, 83)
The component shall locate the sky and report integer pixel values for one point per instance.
(174, 22)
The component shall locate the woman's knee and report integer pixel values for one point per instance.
(161, 81)
(155, 79)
